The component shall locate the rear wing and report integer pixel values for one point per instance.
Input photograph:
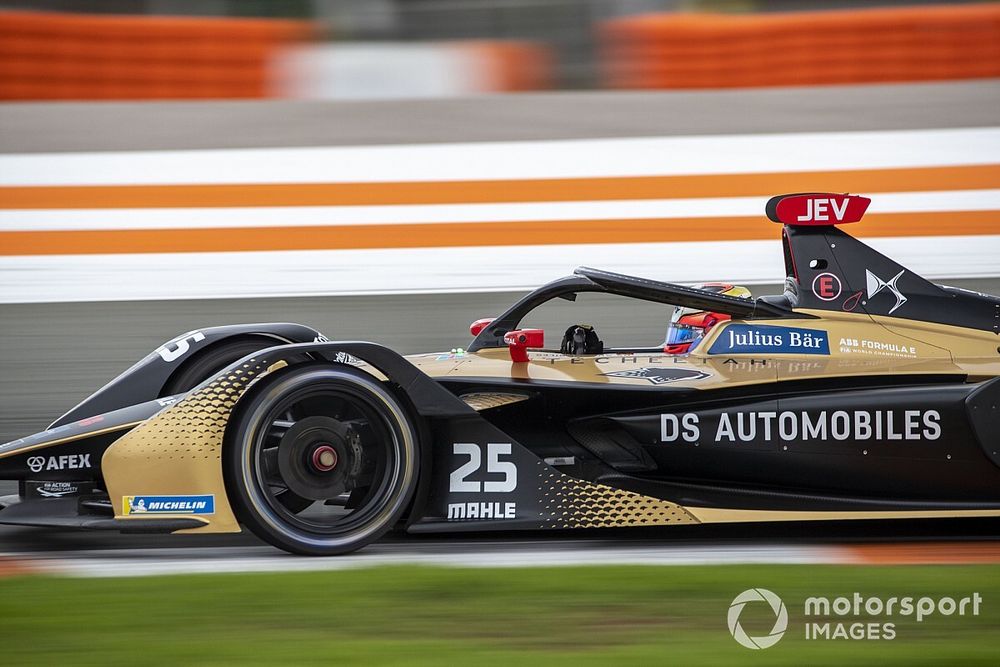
(828, 269)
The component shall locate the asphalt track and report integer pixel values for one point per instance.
(840, 543)
(107, 126)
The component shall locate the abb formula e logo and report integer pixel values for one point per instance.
(64, 462)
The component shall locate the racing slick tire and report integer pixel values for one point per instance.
(332, 436)
(208, 362)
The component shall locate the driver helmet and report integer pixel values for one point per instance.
(689, 325)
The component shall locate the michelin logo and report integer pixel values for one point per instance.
(168, 505)
(764, 339)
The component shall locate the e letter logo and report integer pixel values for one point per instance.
(826, 286)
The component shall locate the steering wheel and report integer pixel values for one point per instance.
(581, 339)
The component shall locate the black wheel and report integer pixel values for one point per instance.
(209, 362)
(321, 460)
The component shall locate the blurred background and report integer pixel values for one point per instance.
(363, 49)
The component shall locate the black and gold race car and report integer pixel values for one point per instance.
(863, 391)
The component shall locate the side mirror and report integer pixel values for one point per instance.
(520, 340)
(479, 325)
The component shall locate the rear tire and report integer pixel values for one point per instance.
(332, 436)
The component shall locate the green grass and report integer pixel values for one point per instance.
(413, 615)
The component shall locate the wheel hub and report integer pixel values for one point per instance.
(324, 458)
(320, 458)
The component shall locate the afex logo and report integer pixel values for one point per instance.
(817, 209)
(64, 462)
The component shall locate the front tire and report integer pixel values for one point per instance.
(331, 437)
(207, 363)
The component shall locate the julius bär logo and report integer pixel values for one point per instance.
(777, 607)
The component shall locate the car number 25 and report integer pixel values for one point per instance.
(458, 482)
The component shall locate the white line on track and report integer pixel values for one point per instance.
(757, 153)
(60, 278)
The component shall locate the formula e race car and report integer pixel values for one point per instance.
(863, 391)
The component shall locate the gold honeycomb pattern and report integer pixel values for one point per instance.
(572, 503)
(179, 451)
(485, 400)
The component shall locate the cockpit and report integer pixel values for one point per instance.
(672, 318)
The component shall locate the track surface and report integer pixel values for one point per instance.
(104, 126)
(106, 554)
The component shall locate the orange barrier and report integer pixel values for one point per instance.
(513, 66)
(70, 56)
(859, 46)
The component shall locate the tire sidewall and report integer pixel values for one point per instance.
(238, 460)
(212, 360)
